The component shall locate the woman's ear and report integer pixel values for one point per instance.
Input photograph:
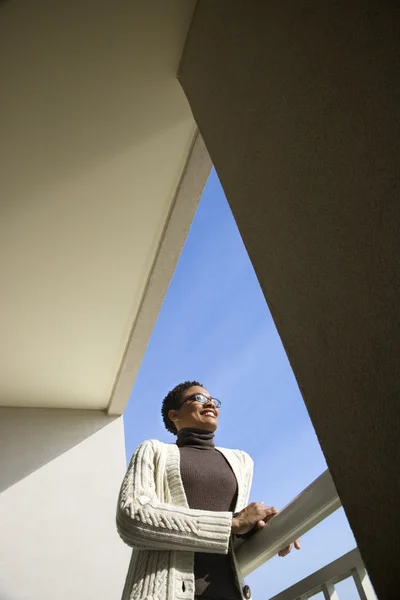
(173, 415)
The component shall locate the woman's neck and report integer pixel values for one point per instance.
(195, 438)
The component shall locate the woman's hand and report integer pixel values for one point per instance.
(285, 551)
(255, 515)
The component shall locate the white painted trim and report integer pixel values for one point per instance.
(185, 204)
(315, 503)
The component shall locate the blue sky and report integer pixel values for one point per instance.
(215, 327)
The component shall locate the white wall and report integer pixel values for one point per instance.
(59, 479)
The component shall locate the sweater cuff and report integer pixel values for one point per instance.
(216, 529)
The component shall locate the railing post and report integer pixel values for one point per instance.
(363, 584)
(329, 591)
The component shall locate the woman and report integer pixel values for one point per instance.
(182, 507)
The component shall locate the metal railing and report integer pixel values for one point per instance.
(313, 505)
(324, 580)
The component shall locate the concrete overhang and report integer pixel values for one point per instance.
(102, 171)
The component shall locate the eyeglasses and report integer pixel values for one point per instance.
(202, 399)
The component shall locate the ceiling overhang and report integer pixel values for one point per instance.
(102, 171)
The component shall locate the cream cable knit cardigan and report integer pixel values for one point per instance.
(153, 518)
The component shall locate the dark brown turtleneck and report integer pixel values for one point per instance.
(209, 484)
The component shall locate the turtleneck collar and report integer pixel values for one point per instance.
(195, 438)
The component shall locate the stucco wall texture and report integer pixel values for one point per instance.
(298, 104)
(59, 481)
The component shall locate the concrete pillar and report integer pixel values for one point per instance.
(298, 104)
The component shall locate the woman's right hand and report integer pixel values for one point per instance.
(255, 515)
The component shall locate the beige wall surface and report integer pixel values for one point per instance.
(59, 480)
(298, 104)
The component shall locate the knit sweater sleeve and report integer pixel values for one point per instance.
(248, 470)
(145, 522)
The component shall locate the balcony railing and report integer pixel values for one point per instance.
(313, 505)
(324, 580)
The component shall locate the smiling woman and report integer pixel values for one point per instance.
(197, 410)
(183, 506)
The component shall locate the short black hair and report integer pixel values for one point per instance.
(173, 401)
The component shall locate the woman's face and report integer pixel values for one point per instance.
(194, 414)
